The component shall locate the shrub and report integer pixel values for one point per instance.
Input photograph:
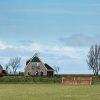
(28, 79)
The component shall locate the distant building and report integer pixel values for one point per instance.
(2, 72)
(34, 66)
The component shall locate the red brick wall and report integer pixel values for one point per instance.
(77, 80)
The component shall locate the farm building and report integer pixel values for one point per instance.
(1, 69)
(34, 66)
(2, 72)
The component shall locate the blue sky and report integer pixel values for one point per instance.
(61, 31)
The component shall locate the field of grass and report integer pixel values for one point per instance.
(48, 92)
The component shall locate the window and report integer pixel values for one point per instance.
(35, 64)
(29, 73)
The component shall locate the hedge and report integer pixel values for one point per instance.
(36, 79)
(24, 79)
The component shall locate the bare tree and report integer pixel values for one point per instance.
(93, 60)
(14, 63)
(57, 69)
(6, 67)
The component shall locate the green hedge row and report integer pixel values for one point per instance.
(23, 79)
(96, 79)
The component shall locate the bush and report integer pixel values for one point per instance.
(96, 79)
(28, 79)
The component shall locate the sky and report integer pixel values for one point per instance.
(60, 31)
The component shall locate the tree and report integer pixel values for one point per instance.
(93, 60)
(57, 69)
(6, 67)
(14, 63)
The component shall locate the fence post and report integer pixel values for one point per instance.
(62, 80)
(90, 80)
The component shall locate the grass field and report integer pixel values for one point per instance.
(48, 92)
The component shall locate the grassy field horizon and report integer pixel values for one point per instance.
(48, 92)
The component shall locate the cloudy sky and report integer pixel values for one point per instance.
(60, 31)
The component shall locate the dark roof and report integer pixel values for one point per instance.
(35, 59)
(48, 67)
(1, 67)
(27, 62)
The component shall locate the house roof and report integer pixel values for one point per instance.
(48, 67)
(35, 59)
(27, 61)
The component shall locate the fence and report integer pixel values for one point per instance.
(77, 80)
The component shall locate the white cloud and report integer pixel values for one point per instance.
(80, 40)
(56, 51)
(4, 45)
(52, 54)
(69, 51)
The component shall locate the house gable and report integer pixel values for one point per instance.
(35, 66)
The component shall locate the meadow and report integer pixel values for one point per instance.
(48, 92)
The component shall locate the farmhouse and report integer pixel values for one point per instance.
(34, 66)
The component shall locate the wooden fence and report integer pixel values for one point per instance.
(77, 80)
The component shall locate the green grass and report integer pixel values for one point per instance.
(48, 92)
